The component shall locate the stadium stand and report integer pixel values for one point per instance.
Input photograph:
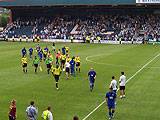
(108, 27)
(97, 22)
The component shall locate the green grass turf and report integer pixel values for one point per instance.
(74, 97)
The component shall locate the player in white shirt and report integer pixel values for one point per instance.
(122, 83)
(113, 84)
(67, 67)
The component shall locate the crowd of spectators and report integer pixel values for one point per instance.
(107, 27)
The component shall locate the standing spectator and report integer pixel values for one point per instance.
(12, 110)
(47, 114)
(31, 111)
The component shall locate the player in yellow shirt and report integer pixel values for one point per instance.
(24, 64)
(63, 61)
(67, 50)
(56, 73)
(77, 60)
(47, 114)
(68, 58)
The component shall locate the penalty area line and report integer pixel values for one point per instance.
(144, 66)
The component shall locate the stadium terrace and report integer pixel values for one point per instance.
(83, 21)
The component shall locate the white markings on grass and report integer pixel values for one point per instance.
(144, 66)
(88, 60)
(115, 65)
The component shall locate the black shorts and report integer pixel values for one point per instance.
(56, 77)
(24, 65)
(63, 62)
(77, 64)
(12, 118)
(49, 66)
(44, 55)
(67, 69)
(36, 65)
(122, 87)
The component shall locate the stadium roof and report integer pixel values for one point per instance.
(64, 2)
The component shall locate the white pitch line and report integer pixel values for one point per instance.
(126, 83)
(114, 65)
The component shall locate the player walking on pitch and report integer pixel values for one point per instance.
(92, 77)
(77, 59)
(31, 111)
(113, 84)
(67, 69)
(122, 81)
(36, 63)
(110, 99)
(30, 52)
(47, 114)
(24, 52)
(48, 64)
(56, 73)
(24, 64)
(72, 66)
(12, 110)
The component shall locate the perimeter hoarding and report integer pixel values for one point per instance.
(148, 1)
(64, 2)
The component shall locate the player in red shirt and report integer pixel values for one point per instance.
(12, 110)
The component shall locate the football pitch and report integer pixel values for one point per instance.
(141, 64)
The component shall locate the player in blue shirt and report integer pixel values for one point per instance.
(46, 49)
(72, 65)
(24, 51)
(40, 54)
(30, 52)
(111, 98)
(38, 48)
(92, 77)
(45, 52)
(63, 50)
